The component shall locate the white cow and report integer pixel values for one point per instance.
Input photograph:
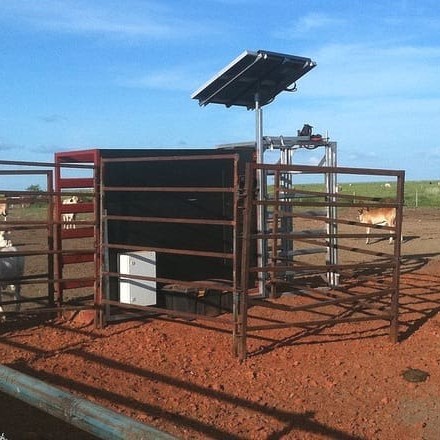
(11, 267)
(4, 209)
(69, 218)
(378, 216)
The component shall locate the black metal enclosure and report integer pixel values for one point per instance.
(180, 203)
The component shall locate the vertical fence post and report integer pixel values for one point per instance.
(394, 306)
(275, 220)
(247, 222)
(50, 239)
(101, 313)
(58, 238)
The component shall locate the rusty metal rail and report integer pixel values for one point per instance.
(375, 302)
(40, 212)
(111, 246)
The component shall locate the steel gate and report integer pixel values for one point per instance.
(33, 193)
(182, 212)
(351, 301)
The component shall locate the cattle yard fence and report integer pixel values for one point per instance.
(204, 238)
(367, 285)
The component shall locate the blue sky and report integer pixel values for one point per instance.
(102, 73)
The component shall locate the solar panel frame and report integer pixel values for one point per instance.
(253, 72)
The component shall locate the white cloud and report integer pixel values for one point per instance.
(354, 71)
(136, 20)
(179, 77)
(310, 26)
(172, 79)
(316, 21)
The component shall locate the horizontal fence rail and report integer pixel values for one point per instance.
(39, 234)
(191, 181)
(284, 271)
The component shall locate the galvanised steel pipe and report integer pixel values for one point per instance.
(92, 418)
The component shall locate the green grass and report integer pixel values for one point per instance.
(417, 194)
(428, 194)
(32, 212)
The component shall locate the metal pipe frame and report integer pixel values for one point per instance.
(106, 160)
(332, 266)
(192, 189)
(84, 160)
(285, 186)
(332, 226)
(189, 221)
(261, 185)
(53, 252)
(90, 417)
(240, 321)
(315, 169)
(104, 304)
(52, 165)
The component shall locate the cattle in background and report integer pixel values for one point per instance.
(4, 209)
(4, 239)
(69, 218)
(11, 268)
(378, 216)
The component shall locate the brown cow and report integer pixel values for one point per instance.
(378, 216)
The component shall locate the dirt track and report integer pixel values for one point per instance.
(343, 382)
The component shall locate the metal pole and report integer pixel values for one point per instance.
(245, 264)
(290, 226)
(102, 313)
(394, 306)
(332, 226)
(275, 220)
(286, 221)
(50, 240)
(58, 238)
(261, 182)
(334, 160)
(92, 418)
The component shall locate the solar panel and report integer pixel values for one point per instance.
(262, 72)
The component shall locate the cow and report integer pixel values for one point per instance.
(11, 268)
(4, 209)
(4, 239)
(69, 218)
(378, 216)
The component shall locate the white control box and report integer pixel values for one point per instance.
(135, 291)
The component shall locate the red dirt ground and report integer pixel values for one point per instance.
(341, 382)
